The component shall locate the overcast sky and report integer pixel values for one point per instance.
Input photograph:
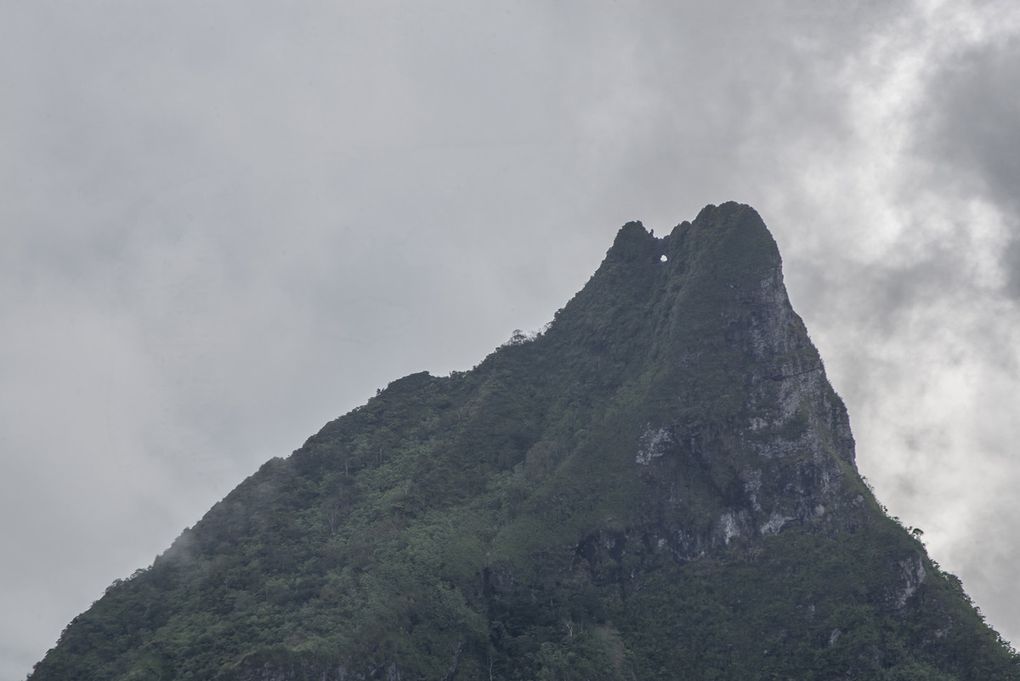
(223, 224)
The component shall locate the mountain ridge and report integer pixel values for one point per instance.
(660, 485)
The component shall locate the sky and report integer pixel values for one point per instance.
(224, 224)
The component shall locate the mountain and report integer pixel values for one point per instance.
(661, 485)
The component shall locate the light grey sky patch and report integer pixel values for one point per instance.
(223, 225)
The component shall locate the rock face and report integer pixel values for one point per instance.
(659, 486)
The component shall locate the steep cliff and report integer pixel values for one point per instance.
(660, 486)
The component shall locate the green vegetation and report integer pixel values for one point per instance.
(659, 486)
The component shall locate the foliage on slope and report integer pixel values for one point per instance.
(660, 486)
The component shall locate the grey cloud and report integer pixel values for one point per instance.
(975, 117)
(224, 225)
(973, 131)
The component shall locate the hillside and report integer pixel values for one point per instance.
(661, 485)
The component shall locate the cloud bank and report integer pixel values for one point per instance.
(224, 225)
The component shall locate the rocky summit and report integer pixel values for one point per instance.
(661, 485)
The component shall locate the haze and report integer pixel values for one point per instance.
(223, 224)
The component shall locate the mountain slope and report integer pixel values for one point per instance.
(660, 486)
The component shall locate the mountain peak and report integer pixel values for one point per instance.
(664, 480)
(633, 242)
(729, 211)
(731, 235)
